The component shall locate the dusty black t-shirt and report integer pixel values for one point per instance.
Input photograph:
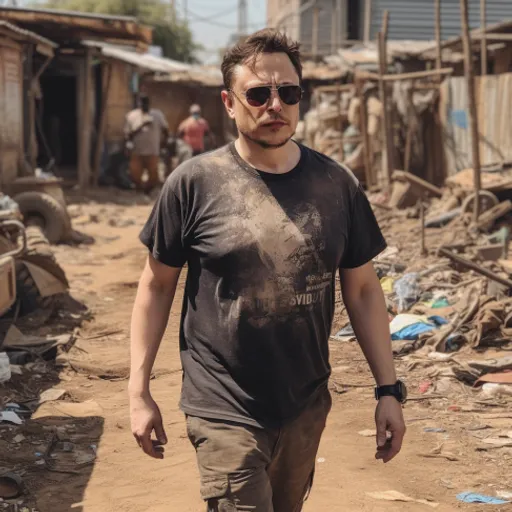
(262, 253)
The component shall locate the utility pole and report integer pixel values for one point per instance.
(473, 119)
(316, 19)
(334, 26)
(242, 18)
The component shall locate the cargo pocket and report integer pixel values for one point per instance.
(216, 492)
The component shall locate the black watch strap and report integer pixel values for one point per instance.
(395, 390)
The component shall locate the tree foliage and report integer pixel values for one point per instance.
(172, 35)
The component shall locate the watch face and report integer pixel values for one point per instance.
(402, 390)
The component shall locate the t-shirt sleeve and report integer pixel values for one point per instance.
(163, 233)
(365, 240)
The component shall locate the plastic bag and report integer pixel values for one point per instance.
(408, 291)
(5, 367)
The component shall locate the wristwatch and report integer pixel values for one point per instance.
(398, 390)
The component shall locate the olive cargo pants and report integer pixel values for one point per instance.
(259, 470)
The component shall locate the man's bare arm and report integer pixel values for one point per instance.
(153, 302)
(366, 306)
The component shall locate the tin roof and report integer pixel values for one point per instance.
(27, 35)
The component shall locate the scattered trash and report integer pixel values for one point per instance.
(367, 433)
(506, 495)
(345, 334)
(410, 327)
(11, 486)
(51, 395)
(424, 386)
(398, 496)
(320, 460)
(5, 367)
(10, 417)
(434, 430)
(440, 303)
(469, 497)
(75, 410)
(494, 390)
(408, 291)
(19, 438)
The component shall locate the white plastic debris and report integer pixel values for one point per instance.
(5, 367)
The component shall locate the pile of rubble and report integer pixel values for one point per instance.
(447, 281)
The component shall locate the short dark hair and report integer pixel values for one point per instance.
(267, 40)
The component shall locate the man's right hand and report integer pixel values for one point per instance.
(146, 418)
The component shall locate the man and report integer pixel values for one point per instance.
(194, 129)
(264, 226)
(144, 129)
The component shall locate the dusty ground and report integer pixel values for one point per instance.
(104, 276)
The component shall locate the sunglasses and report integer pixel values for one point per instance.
(259, 96)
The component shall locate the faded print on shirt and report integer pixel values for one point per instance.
(262, 251)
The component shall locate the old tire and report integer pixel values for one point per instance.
(43, 210)
(487, 201)
(39, 253)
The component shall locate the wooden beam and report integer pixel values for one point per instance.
(364, 132)
(367, 20)
(415, 75)
(100, 140)
(316, 18)
(473, 114)
(491, 37)
(387, 133)
(483, 42)
(85, 121)
(418, 182)
(439, 58)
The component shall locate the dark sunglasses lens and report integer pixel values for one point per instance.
(257, 96)
(290, 94)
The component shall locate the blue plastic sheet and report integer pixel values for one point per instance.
(470, 497)
(412, 332)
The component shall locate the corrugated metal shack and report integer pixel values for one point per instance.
(70, 91)
(17, 46)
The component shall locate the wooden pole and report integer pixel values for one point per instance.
(84, 162)
(483, 42)
(102, 123)
(316, 16)
(422, 220)
(439, 59)
(364, 131)
(367, 20)
(334, 23)
(473, 115)
(386, 128)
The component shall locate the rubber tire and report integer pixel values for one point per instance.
(46, 208)
(486, 197)
(39, 253)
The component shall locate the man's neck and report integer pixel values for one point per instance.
(276, 161)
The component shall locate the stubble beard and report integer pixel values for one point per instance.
(264, 144)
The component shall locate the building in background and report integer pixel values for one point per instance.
(296, 18)
(342, 21)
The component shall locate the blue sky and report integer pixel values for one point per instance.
(222, 21)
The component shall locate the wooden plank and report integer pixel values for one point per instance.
(386, 125)
(84, 127)
(364, 131)
(418, 182)
(439, 58)
(100, 140)
(483, 42)
(367, 20)
(415, 75)
(491, 37)
(473, 116)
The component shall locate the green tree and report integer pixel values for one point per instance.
(172, 35)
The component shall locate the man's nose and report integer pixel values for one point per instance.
(275, 102)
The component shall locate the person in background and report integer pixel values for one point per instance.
(144, 129)
(194, 129)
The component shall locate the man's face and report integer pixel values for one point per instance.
(272, 124)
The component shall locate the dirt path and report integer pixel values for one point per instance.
(104, 276)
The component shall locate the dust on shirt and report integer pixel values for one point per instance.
(262, 252)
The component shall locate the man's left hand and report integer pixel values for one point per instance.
(389, 418)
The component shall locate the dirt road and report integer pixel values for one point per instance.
(104, 276)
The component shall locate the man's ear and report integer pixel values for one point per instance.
(228, 100)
